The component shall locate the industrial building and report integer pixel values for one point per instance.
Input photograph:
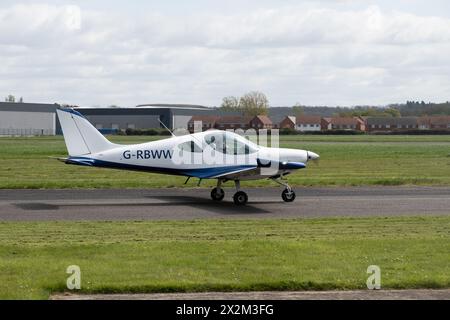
(173, 116)
(20, 119)
(41, 119)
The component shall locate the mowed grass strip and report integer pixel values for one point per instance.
(205, 255)
(345, 160)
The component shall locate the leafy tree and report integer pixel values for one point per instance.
(393, 112)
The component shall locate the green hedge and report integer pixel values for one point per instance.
(147, 132)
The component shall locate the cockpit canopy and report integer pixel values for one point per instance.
(190, 146)
(230, 143)
(222, 141)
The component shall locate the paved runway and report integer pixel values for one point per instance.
(409, 294)
(149, 204)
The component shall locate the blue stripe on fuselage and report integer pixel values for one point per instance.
(203, 173)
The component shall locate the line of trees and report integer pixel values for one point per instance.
(371, 112)
(250, 104)
(11, 98)
(416, 108)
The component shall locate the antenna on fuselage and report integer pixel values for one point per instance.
(166, 128)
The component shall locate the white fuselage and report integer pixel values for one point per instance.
(195, 155)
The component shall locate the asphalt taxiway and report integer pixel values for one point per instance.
(184, 203)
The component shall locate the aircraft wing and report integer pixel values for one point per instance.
(236, 173)
(222, 172)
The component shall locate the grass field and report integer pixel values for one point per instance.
(345, 160)
(160, 256)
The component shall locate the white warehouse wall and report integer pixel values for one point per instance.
(27, 123)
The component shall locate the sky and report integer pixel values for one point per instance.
(312, 52)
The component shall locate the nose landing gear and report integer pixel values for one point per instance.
(288, 195)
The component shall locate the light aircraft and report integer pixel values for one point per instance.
(213, 154)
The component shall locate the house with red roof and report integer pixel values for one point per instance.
(343, 123)
(261, 122)
(204, 122)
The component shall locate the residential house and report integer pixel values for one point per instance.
(261, 122)
(388, 124)
(343, 123)
(233, 122)
(206, 122)
(434, 123)
(308, 123)
(287, 123)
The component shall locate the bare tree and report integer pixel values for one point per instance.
(230, 103)
(254, 103)
(10, 98)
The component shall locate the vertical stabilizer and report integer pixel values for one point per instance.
(80, 135)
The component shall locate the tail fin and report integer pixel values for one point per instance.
(80, 135)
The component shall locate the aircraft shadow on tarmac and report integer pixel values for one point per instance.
(223, 207)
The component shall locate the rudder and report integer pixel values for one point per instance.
(80, 136)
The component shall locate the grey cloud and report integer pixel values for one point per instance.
(316, 55)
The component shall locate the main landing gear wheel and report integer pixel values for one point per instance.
(217, 194)
(240, 198)
(288, 195)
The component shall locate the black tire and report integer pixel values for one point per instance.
(240, 198)
(217, 194)
(288, 196)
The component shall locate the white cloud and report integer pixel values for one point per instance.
(312, 54)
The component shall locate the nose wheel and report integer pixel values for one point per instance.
(288, 195)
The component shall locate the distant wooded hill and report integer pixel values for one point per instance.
(416, 108)
(410, 108)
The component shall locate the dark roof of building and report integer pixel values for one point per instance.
(28, 107)
(308, 119)
(173, 106)
(434, 120)
(204, 118)
(343, 120)
(233, 120)
(391, 121)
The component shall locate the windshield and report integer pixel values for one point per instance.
(189, 146)
(230, 143)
